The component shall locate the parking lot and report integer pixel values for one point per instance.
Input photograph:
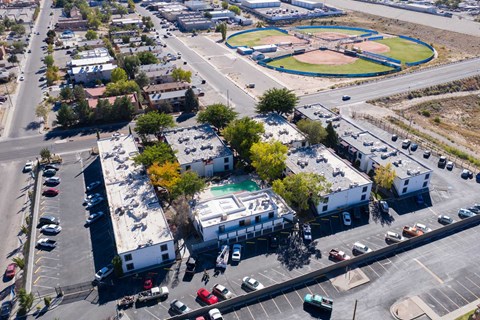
(70, 263)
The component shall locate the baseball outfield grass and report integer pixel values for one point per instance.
(254, 38)
(320, 30)
(404, 50)
(359, 66)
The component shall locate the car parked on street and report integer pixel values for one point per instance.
(51, 229)
(215, 314)
(49, 172)
(307, 232)
(383, 205)
(28, 166)
(222, 292)
(206, 296)
(252, 284)
(345, 98)
(10, 270)
(52, 181)
(52, 166)
(104, 272)
(464, 213)
(6, 309)
(50, 192)
(442, 162)
(91, 197)
(443, 219)
(179, 307)
(94, 202)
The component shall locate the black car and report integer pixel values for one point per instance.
(52, 166)
(413, 147)
(6, 309)
(426, 154)
(477, 177)
(442, 162)
(394, 137)
(345, 98)
(191, 265)
(48, 220)
(273, 242)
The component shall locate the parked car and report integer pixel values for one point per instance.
(53, 181)
(179, 307)
(148, 283)
(474, 209)
(49, 172)
(383, 205)
(6, 309)
(464, 213)
(51, 228)
(345, 98)
(347, 219)
(426, 154)
(412, 231)
(477, 177)
(215, 314)
(252, 284)
(206, 296)
(104, 272)
(393, 237)
(406, 143)
(28, 166)
(92, 186)
(50, 192)
(414, 147)
(360, 248)
(46, 243)
(273, 242)
(11, 270)
(394, 137)
(222, 292)
(48, 220)
(443, 219)
(94, 202)
(307, 232)
(466, 174)
(191, 265)
(52, 166)
(91, 197)
(422, 227)
(236, 252)
(318, 301)
(94, 217)
(450, 165)
(442, 162)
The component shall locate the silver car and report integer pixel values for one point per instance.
(179, 307)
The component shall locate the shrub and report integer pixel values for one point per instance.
(425, 113)
(437, 120)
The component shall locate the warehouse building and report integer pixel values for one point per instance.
(256, 4)
(308, 4)
(193, 21)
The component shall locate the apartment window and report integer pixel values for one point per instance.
(130, 266)
(406, 182)
(128, 257)
(325, 200)
(325, 208)
(425, 184)
(427, 176)
(226, 160)
(404, 190)
(241, 223)
(227, 167)
(188, 167)
(304, 144)
(257, 219)
(270, 215)
(365, 189)
(163, 247)
(165, 256)
(359, 156)
(364, 196)
(221, 229)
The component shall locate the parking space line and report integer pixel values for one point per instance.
(373, 271)
(261, 305)
(273, 300)
(288, 301)
(468, 290)
(472, 282)
(283, 275)
(267, 277)
(308, 289)
(441, 305)
(451, 287)
(298, 294)
(378, 262)
(250, 312)
(449, 298)
(152, 314)
(37, 285)
(163, 306)
(237, 284)
(390, 262)
(429, 271)
(236, 315)
(322, 288)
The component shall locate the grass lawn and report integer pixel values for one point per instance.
(404, 50)
(359, 66)
(254, 38)
(320, 30)
(466, 316)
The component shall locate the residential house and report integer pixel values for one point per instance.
(92, 73)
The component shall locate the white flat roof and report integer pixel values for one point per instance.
(278, 128)
(93, 68)
(237, 206)
(137, 217)
(90, 61)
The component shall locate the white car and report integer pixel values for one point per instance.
(307, 232)
(94, 217)
(422, 227)
(53, 180)
(94, 202)
(91, 197)
(393, 237)
(450, 165)
(21, 78)
(252, 284)
(28, 166)
(93, 185)
(347, 219)
(222, 292)
(361, 248)
(104, 272)
(236, 252)
(443, 219)
(215, 314)
(51, 228)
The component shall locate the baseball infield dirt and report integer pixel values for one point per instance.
(325, 57)
(332, 35)
(372, 46)
(282, 39)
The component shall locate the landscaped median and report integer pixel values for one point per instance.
(387, 251)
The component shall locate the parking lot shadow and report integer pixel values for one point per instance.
(317, 313)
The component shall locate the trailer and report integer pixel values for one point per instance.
(126, 302)
(222, 258)
(154, 293)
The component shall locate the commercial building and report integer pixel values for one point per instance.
(255, 4)
(193, 21)
(91, 44)
(367, 151)
(238, 217)
(142, 235)
(92, 73)
(90, 61)
(95, 53)
(198, 5)
(308, 4)
(127, 22)
(174, 98)
(277, 128)
(135, 50)
(349, 188)
(172, 11)
(222, 15)
(200, 149)
(265, 48)
(71, 24)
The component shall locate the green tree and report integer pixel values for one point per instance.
(314, 131)
(18, 29)
(281, 101)
(207, 15)
(242, 133)
(217, 115)
(121, 87)
(130, 64)
(50, 49)
(66, 116)
(66, 93)
(268, 159)
(79, 93)
(45, 154)
(118, 74)
(18, 46)
(331, 140)
(42, 110)
(51, 34)
(235, 10)
(224, 5)
(123, 108)
(52, 75)
(83, 112)
(12, 59)
(91, 35)
(190, 184)
(384, 177)
(222, 28)
(131, 5)
(178, 74)
(93, 21)
(20, 262)
(117, 266)
(104, 110)
(147, 57)
(298, 189)
(191, 101)
(158, 153)
(142, 79)
(25, 299)
(153, 123)
(48, 60)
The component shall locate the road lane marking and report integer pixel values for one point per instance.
(468, 290)
(429, 271)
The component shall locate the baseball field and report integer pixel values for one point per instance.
(330, 30)
(404, 50)
(255, 38)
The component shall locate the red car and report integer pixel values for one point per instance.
(50, 192)
(148, 283)
(206, 296)
(10, 271)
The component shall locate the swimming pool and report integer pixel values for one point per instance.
(247, 185)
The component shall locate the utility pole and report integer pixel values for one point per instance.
(355, 309)
(228, 99)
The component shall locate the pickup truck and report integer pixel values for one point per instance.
(318, 301)
(191, 265)
(412, 231)
(154, 293)
(338, 255)
(46, 243)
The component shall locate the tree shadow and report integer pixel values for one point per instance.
(379, 217)
(295, 254)
(185, 116)
(64, 133)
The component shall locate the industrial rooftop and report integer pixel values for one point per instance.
(278, 128)
(318, 159)
(137, 217)
(237, 206)
(198, 143)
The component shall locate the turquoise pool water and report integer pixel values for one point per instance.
(247, 185)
